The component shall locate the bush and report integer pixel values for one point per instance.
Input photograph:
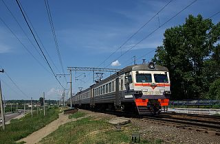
(214, 90)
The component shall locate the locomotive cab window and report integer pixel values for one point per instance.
(160, 78)
(143, 78)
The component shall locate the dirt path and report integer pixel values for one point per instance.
(40, 134)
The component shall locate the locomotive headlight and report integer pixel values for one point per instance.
(162, 90)
(151, 65)
(167, 92)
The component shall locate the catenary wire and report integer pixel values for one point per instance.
(37, 37)
(23, 45)
(16, 85)
(54, 33)
(154, 30)
(21, 27)
(9, 87)
(37, 42)
(137, 31)
(154, 50)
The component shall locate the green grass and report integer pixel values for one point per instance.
(206, 107)
(20, 128)
(77, 115)
(91, 131)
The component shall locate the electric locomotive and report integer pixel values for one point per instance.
(143, 88)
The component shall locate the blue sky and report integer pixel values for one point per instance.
(87, 32)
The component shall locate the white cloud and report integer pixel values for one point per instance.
(115, 63)
(55, 92)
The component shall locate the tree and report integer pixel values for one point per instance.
(214, 90)
(186, 52)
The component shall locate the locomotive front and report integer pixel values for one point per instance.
(149, 86)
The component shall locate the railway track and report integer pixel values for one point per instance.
(210, 125)
(198, 123)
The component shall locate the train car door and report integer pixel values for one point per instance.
(117, 92)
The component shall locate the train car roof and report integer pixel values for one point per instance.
(144, 67)
(140, 67)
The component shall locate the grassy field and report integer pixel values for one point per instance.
(77, 115)
(92, 131)
(18, 129)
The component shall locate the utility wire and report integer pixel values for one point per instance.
(31, 25)
(137, 31)
(21, 27)
(23, 45)
(215, 14)
(54, 33)
(154, 50)
(10, 87)
(155, 30)
(16, 85)
(37, 42)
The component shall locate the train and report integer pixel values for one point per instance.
(139, 88)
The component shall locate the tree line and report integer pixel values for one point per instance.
(191, 52)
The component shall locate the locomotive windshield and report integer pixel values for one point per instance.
(143, 78)
(160, 78)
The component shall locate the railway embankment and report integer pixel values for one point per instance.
(94, 127)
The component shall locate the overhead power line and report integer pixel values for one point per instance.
(37, 42)
(9, 87)
(137, 31)
(21, 27)
(154, 30)
(16, 85)
(23, 44)
(37, 37)
(154, 50)
(214, 14)
(54, 33)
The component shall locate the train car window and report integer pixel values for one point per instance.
(101, 90)
(129, 79)
(113, 86)
(110, 87)
(104, 89)
(142, 78)
(160, 78)
(121, 84)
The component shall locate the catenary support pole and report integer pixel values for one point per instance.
(24, 109)
(44, 103)
(2, 109)
(31, 108)
(71, 89)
